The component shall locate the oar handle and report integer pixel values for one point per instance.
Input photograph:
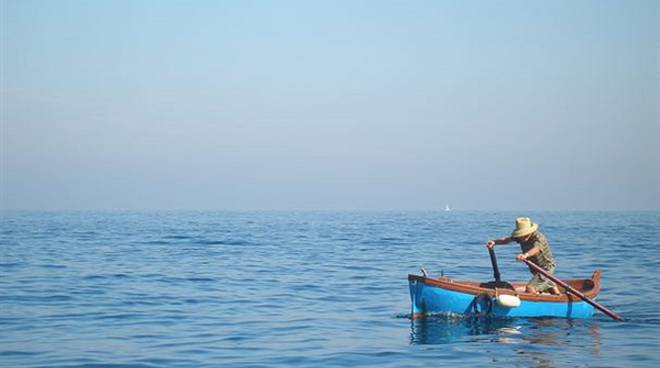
(573, 290)
(493, 261)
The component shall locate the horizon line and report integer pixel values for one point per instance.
(313, 210)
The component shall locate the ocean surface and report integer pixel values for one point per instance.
(308, 289)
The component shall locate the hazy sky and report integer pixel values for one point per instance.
(330, 105)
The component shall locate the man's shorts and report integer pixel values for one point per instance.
(540, 282)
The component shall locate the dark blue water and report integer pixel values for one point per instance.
(282, 289)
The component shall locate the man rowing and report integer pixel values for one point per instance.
(535, 248)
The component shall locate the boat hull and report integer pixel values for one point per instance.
(430, 299)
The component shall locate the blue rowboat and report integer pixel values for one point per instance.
(445, 296)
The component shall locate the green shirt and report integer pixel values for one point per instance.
(544, 258)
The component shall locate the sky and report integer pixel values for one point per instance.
(330, 105)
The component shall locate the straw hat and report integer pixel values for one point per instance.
(524, 226)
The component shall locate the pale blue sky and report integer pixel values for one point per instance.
(330, 105)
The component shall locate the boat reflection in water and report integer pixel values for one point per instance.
(446, 330)
(531, 341)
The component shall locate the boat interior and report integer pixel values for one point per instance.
(583, 285)
(590, 287)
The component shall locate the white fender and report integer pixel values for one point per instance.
(508, 301)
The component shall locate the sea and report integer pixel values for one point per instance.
(309, 289)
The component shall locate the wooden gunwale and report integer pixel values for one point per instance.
(474, 288)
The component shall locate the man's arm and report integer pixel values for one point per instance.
(532, 252)
(491, 243)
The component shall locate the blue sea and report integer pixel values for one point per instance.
(308, 289)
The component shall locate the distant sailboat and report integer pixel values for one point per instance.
(447, 208)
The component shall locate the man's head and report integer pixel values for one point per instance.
(524, 229)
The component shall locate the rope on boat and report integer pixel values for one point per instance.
(478, 300)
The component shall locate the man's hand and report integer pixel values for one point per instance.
(521, 257)
(490, 244)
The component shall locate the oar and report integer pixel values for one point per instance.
(573, 290)
(493, 260)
